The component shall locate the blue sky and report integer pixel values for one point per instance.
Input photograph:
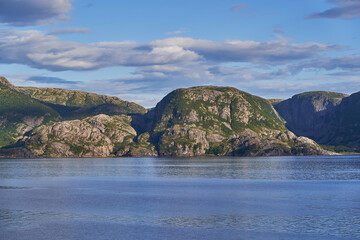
(141, 50)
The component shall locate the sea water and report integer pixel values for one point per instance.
(180, 198)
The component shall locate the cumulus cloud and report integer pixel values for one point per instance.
(345, 9)
(166, 64)
(272, 52)
(33, 12)
(70, 30)
(161, 79)
(39, 50)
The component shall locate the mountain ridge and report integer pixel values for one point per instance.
(196, 121)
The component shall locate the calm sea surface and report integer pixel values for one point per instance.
(198, 198)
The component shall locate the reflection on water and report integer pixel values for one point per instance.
(340, 225)
(306, 197)
(269, 168)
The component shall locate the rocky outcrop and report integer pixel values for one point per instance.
(5, 84)
(98, 136)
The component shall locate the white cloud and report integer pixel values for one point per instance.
(272, 52)
(39, 50)
(166, 64)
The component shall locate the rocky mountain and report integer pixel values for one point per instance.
(309, 114)
(198, 121)
(327, 117)
(222, 121)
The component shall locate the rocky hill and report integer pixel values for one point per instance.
(19, 113)
(198, 121)
(71, 104)
(222, 121)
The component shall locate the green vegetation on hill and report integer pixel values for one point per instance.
(274, 101)
(334, 97)
(19, 114)
(18, 103)
(221, 121)
(78, 104)
(208, 106)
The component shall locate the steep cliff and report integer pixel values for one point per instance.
(345, 127)
(327, 117)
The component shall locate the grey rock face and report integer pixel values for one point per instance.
(345, 127)
(310, 114)
(98, 136)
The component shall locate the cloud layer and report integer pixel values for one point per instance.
(39, 50)
(33, 12)
(345, 9)
(165, 64)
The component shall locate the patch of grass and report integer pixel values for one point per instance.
(339, 149)
(78, 149)
(216, 149)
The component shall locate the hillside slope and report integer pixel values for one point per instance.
(19, 113)
(74, 104)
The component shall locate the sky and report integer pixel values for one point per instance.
(140, 50)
